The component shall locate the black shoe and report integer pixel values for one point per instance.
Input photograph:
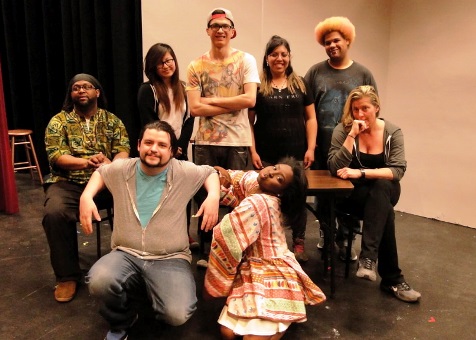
(343, 252)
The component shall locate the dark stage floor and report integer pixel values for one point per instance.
(438, 259)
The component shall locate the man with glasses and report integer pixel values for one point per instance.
(221, 86)
(79, 139)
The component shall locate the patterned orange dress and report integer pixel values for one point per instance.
(250, 262)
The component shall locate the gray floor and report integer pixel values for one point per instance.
(437, 258)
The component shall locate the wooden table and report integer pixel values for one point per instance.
(323, 185)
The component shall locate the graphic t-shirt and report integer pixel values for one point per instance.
(223, 79)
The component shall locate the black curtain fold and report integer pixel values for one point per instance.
(45, 43)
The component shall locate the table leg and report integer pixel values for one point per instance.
(328, 252)
(332, 227)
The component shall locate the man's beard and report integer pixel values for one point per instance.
(149, 165)
(83, 106)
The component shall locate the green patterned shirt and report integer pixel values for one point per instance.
(68, 133)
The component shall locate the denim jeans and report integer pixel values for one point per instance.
(120, 280)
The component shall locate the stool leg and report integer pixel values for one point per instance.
(13, 152)
(28, 157)
(35, 159)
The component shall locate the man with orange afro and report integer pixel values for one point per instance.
(331, 81)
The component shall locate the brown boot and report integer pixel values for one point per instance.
(298, 249)
(65, 291)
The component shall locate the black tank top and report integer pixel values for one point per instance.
(369, 161)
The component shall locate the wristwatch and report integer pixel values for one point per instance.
(362, 173)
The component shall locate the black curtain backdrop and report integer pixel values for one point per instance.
(44, 43)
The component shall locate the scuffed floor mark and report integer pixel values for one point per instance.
(33, 292)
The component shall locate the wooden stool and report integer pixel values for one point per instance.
(23, 137)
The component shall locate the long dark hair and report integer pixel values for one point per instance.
(266, 77)
(152, 59)
(293, 198)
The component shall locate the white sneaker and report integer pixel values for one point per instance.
(367, 269)
(202, 263)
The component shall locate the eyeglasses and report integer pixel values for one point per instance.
(216, 27)
(85, 87)
(168, 62)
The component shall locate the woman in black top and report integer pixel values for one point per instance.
(283, 120)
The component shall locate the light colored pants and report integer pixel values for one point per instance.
(119, 279)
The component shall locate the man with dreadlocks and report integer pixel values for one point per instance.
(79, 139)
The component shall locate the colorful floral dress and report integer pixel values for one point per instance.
(250, 262)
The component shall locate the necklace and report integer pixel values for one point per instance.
(282, 86)
(89, 133)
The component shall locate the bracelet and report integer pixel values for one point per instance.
(362, 173)
(350, 136)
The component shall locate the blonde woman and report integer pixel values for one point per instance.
(370, 152)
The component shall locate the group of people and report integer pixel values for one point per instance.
(275, 121)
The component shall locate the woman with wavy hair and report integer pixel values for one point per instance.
(370, 152)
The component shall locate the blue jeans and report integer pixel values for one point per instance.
(120, 280)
